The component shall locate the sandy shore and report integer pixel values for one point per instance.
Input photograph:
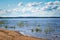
(12, 35)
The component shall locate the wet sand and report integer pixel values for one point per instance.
(13, 35)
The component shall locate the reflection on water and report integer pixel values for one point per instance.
(36, 27)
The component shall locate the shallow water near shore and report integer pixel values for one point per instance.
(31, 23)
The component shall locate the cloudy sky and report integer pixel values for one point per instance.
(29, 8)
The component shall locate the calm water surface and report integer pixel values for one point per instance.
(31, 24)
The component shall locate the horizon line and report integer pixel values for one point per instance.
(29, 17)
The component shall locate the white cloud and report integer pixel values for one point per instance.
(57, 2)
(58, 8)
(33, 9)
(33, 4)
(49, 3)
(2, 11)
(15, 10)
(20, 4)
(53, 3)
(51, 6)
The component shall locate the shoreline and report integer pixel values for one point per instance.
(13, 35)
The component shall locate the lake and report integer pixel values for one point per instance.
(33, 23)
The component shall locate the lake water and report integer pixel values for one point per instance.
(31, 23)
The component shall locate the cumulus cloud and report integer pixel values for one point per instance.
(34, 9)
(51, 6)
(53, 3)
(33, 4)
(20, 4)
(2, 11)
(58, 8)
(49, 3)
(57, 2)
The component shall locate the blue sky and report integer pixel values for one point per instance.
(29, 8)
